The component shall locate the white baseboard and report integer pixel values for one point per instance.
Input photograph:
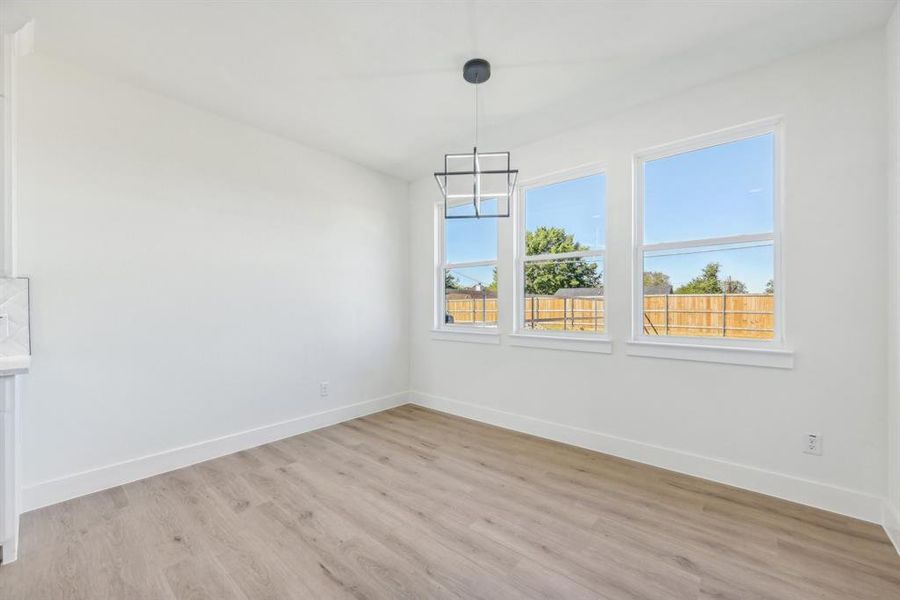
(10, 549)
(53, 491)
(787, 487)
(812, 493)
(891, 524)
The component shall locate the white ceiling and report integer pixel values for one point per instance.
(380, 82)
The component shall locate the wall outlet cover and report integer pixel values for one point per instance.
(812, 444)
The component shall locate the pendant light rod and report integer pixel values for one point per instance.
(476, 178)
(476, 71)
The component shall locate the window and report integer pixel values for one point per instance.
(705, 231)
(561, 239)
(467, 274)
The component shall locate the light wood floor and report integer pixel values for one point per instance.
(411, 503)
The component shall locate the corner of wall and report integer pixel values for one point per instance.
(410, 291)
(891, 520)
(891, 523)
(94, 480)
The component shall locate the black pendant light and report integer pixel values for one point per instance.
(476, 177)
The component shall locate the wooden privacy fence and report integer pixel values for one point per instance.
(472, 311)
(581, 313)
(706, 315)
(710, 315)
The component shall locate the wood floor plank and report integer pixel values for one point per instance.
(412, 503)
(201, 579)
(455, 572)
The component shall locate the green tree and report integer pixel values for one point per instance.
(492, 286)
(550, 240)
(548, 277)
(709, 282)
(450, 281)
(705, 283)
(656, 279)
(770, 286)
(733, 286)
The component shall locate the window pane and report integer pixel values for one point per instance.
(565, 295)
(714, 291)
(470, 296)
(470, 240)
(713, 192)
(575, 208)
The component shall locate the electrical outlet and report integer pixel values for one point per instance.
(813, 444)
(323, 388)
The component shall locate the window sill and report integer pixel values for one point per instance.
(733, 355)
(469, 335)
(573, 343)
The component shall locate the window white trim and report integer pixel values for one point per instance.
(462, 332)
(474, 263)
(732, 355)
(572, 340)
(720, 348)
(561, 255)
(596, 343)
(719, 241)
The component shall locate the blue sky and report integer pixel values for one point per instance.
(713, 192)
(470, 240)
(577, 205)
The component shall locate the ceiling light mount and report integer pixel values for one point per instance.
(477, 71)
(482, 179)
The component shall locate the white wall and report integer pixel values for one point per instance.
(143, 220)
(192, 278)
(892, 47)
(742, 425)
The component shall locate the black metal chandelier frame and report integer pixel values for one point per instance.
(476, 71)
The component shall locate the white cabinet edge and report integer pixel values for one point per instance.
(14, 365)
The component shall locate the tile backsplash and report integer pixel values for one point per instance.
(14, 321)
